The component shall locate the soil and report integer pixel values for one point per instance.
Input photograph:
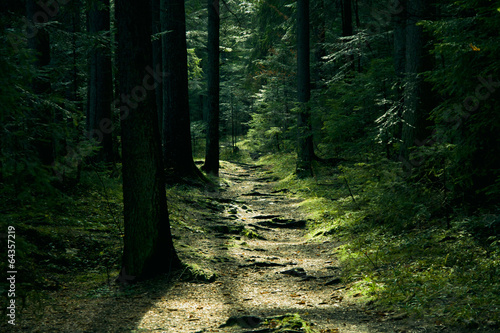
(277, 273)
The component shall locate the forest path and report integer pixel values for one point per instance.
(260, 278)
(281, 272)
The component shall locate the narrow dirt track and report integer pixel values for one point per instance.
(280, 272)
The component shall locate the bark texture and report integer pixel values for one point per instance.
(148, 246)
(418, 95)
(39, 44)
(305, 150)
(100, 86)
(177, 149)
(211, 165)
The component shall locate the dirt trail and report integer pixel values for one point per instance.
(280, 273)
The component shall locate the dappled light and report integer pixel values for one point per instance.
(250, 166)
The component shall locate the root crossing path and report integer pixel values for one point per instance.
(251, 238)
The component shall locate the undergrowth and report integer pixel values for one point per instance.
(403, 249)
(72, 240)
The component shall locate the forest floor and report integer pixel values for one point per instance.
(250, 265)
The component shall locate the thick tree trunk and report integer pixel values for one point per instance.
(211, 165)
(148, 246)
(305, 150)
(39, 44)
(100, 89)
(177, 149)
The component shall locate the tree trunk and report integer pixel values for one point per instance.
(347, 18)
(399, 55)
(177, 149)
(72, 23)
(211, 165)
(158, 60)
(356, 13)
(399, 23)
(100, 89)
(305, 150)
(347, 29)
(148, 247)
(39, 44)
(418, 100)
(320, 51)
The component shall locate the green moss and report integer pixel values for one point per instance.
(252, 234)
(193, 272)
(289, 322)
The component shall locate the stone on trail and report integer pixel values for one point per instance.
(262, 264)
(243, 321)
(265, 217)
(300, 272)
(284, 223)
(336, 280)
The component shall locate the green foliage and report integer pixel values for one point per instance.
(65, 240)
(24, 116)
(351, 107)
(194, 69)
(19, 162)
(445, 275)
(268, 129)
(467, 78)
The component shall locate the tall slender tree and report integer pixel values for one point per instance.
(347, 29)
(347, 18)
(211, 165)
(177, 150)
(418, 101)
(100, 85)
(399, 57)
(39, 44)
(72, 21)
(148, 246)
(305, 152)
(320, 50)
(157, 58)
(399, 24)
